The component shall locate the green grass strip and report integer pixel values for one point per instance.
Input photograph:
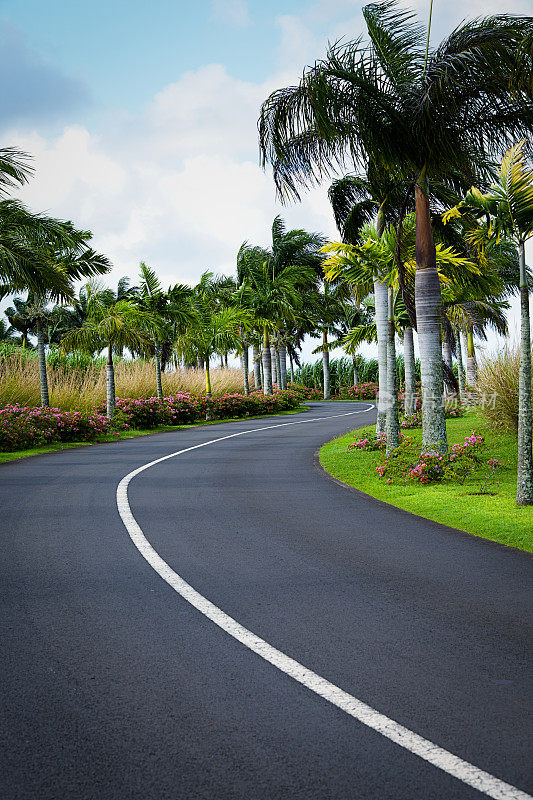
(491, 516)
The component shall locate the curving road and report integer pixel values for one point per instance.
(115, 687)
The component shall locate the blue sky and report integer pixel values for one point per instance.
(141, 118)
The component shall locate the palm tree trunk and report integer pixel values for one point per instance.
(428, 304)
(245, 370)
(158, 371)
(267, 364)
(207, 379)
(291, 368)
(278, 368)
(257, 368)
(226, 360)
(524, 489)
(355, 380)
(110, 383)
(381, 302)
(43, 378)
(409, 402)
(471, 360)
(392, 425)
(325, 366)
(282, 352)
(447, 351)
(273, 365)
(460, 367)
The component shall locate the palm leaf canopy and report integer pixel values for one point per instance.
(380, 100)
(15, 168)
(375, 256)
(508, 205)
(121, 324)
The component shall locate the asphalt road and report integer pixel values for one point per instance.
(113, 686)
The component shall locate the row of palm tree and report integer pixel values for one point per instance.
(418, 125)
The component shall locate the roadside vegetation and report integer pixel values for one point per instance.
(482, 502)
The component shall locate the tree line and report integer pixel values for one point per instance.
(432, 220)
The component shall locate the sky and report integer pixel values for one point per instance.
(142, 118)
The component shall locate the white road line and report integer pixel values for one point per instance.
(450, 763)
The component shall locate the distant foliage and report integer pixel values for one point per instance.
(342, 372)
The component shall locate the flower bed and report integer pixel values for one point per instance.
(361, 391)
(24, 426)
(409, 463)
(184, 408)
(305, 392)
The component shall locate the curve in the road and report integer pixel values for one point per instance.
(469, 774)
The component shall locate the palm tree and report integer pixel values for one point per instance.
(297, 248)
(509, 207)
(20, 320)
(172, 311)
(427, 114)
(211, 329)
(275, 295)
(114, 325)
(328, 311)
(388, 255)
(356, 200)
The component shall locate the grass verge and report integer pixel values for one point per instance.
(131, 434)
(491, 516)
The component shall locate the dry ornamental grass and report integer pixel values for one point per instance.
(497, 387)
(86, 388)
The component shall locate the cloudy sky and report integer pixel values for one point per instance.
(141, 118)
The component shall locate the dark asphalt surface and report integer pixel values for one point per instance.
(114, 687)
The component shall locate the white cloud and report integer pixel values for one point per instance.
(179, 185)
(232, 12)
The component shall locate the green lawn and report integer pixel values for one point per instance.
(52, 448)
(493, 517)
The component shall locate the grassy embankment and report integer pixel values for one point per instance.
(51, 448)
(491, 516)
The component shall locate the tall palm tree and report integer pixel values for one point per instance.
(211, 329)
(274, 295)
(509, 207)
(430, 114)
(356, 200)
(390, 255)
(114, 325)
(296, 248)
(172, 311)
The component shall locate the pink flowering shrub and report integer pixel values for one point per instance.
(305, 392)
(411, 420)
(408, 463)
(183, 408)
(24, 427)
(361, 391)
